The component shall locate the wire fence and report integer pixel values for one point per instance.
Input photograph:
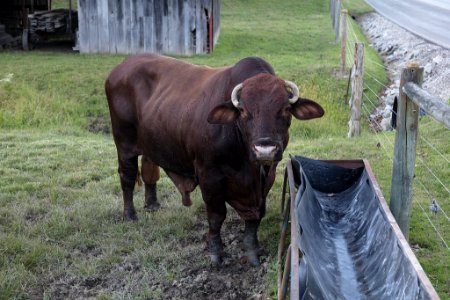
(431, 193)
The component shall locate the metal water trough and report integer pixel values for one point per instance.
(345, 243)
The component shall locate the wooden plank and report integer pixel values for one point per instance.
(158, 14)
(190, 13)
(295, 252)
(171, 24)
(140, 27)
(181, 38)
(112, 27)
(184, 37)
(405, 151)
(357, 92)
(133, 30)
(200, 25)
(93, 27)
(433, 106)
(103, 26)
(127, 13)
(120, 27)
(148, 27)
(83, 26)
(216, 20)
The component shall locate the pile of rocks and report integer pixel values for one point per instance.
(398, 47)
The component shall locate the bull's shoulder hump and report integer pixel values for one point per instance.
(249, 67)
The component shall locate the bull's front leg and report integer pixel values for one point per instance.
(251, 244)
(216, 216)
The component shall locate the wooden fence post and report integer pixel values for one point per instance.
(332, 10)
(405, 150)
(337, 14)
(357, 91)
(344, 13)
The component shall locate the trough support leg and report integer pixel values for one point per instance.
(251, 241)
(128, 169)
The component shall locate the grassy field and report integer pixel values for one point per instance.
(60, 199)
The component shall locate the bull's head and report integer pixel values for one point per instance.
(262, 107)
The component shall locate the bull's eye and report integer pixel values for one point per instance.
(285, 112)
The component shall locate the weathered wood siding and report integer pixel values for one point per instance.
(137, 26)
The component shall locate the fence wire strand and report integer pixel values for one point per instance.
(432, 224)
(434, 148)
(386, 140)
(431, 198)
(377, 135)
(432, 173)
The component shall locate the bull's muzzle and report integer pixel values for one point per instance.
(266, 152)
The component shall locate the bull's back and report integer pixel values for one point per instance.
(167, 102)
(149, 84)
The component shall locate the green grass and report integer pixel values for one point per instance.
(60, 200)
(357, 7)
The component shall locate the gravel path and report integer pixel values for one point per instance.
(399, 47)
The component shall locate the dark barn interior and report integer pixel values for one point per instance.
(26, 23)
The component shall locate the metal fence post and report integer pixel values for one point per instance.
(405, 150)
(357, 91)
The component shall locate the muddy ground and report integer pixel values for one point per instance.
(234, 279)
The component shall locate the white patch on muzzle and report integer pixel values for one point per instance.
(265, 152)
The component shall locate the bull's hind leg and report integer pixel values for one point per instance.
(150, 175)
(128, 169)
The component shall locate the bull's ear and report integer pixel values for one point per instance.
(223, 114)
(305, 109)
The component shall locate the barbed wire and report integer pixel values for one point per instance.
(374, 78)
(432, 173)
(380, 142)
(431, 196)
(434, 148)
(387, 140)
(434, 227)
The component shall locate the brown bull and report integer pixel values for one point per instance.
(224, 129)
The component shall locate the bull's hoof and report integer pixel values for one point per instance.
(153, 206)
(216, 260)
(186, 201)
(129, 217)
(252, 258)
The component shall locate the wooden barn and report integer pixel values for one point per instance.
(180, 27)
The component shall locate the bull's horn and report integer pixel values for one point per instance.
(234, 95)
(294, 89)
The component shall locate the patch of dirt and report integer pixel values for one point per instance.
(99, 124)
(234, 279)
(197, 279)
